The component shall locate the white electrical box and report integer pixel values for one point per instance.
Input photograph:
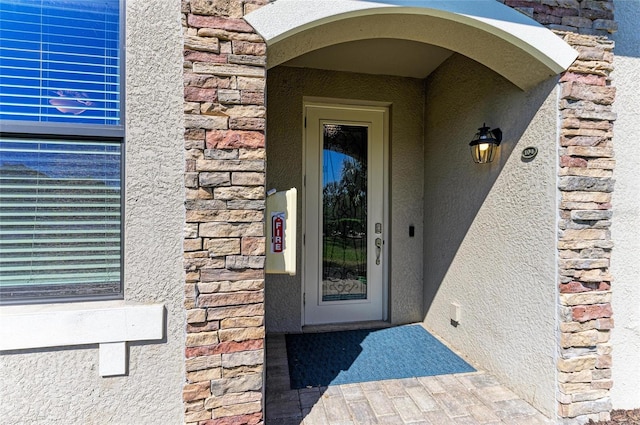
(281, 232)
(455, 313)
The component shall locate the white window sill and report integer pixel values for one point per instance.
(111, 324)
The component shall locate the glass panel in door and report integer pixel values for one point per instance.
(344, 212)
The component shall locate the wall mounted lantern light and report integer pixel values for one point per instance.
(485, 143)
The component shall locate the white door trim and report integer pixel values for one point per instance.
(378, 112)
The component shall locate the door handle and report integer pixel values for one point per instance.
(378, 250)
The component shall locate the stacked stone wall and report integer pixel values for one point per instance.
(584, 244)
(224, 92)
(593, 17)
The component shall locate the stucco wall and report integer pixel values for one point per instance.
(490, 229)
(285, 90)
(62, 386)
(625, 229)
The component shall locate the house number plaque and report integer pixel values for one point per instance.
(529, 153)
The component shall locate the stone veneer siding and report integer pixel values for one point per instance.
(584, 238)
(224, 92)
(225, 195)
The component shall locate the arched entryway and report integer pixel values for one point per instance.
(436, 73)
(485, 237)
(502, 39)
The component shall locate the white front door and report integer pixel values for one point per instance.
(344, 261)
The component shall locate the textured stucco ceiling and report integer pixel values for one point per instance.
(402, 58)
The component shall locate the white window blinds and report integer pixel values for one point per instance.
(60, 218)
(59, 61)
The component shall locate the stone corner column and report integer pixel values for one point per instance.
(224, 245)
(584, 239)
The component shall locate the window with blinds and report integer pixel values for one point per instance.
(61, 147)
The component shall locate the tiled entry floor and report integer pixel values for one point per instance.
(473, 398)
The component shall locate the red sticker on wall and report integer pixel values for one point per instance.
(277, 232)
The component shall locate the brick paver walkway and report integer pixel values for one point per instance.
(469, 399)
